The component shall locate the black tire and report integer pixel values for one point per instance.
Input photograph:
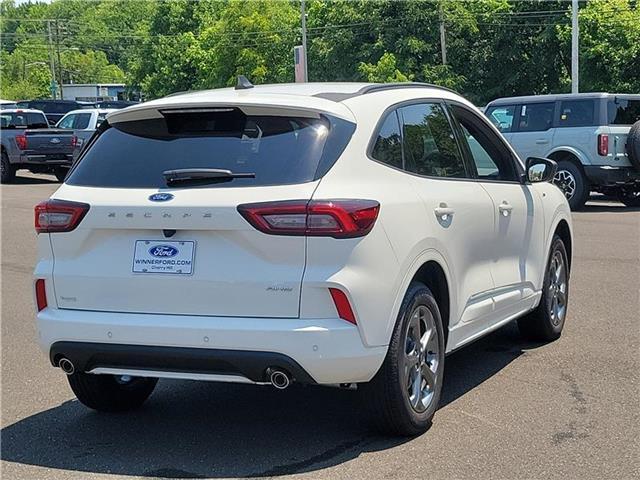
(573, 183)
(8, 173)
(540, 325)
(630, 199)
(105, 393)
(386, 395)
(61, 173)
(633, 145)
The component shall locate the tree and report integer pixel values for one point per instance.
(609, 46)
(384, 71)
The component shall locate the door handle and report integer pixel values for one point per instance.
(542, 141)
(443, 212)
(505, 208)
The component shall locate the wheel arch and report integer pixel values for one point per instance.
(564, 232)
(571, 155)
(433, 275)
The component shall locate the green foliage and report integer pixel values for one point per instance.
(384, 71)
(610, 46)
(494, 47)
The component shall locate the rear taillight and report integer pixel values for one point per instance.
(318, 218)
(76, 142)
(41, 295)
(59, 215)
(603, 145)
(342, 305)
(21, 141)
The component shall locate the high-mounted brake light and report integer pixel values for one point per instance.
(41, 294)
(343, 306)
(603, 145)
(21, 141)
(59, 215)
(317, 218)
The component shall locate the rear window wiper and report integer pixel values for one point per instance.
(202, 175)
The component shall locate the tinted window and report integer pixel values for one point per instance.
(35, 105)
(491, 157)
(279, 150)
(82, 121)
(536, 117)
(502, 117)
(23, 120)
(623, 111)
(430, 147)
(576, 113)
(388, 146)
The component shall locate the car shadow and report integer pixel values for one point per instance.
(606, 204)
(203, 430)
(597, 207)
(19, 180)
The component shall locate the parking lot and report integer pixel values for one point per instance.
(510, 409)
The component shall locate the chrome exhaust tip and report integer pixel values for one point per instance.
(278, 378)
(66, 366)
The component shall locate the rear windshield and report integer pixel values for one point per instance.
(278, 150)
(22, 120)
(623, 111)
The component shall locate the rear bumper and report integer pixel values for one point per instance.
(608, 176)
(324, 351)
(58, 159)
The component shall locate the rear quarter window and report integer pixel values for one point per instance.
(279, 150)
(623, 111)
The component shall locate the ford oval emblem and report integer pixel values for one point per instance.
(54, 140)
(161, 197)
(163, 251)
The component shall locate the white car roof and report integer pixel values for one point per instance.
(293, 98)
(91, 110)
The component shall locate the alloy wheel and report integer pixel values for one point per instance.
(421, 359)
(557, 298)
(565, 180)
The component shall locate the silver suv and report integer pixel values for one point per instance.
(594, 137)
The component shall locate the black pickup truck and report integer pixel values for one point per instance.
(28, 143)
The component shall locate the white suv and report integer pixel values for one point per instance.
(337, 234)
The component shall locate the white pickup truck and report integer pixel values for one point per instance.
(594, 137)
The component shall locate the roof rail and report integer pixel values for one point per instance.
(392, 86)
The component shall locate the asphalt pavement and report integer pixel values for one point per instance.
(510, 409)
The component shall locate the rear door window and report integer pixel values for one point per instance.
(82, 121)
(279, 150)
(577, 113)
(502, 117)
(623, 111)
(536, 117)
(430, 146)
(23, 120)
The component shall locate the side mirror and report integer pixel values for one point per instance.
(540, 169)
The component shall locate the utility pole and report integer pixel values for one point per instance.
(53, 69)
(443, 40)
(303, 19)
(59, 59)
(574, 47)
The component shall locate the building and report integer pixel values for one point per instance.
(91, 92)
